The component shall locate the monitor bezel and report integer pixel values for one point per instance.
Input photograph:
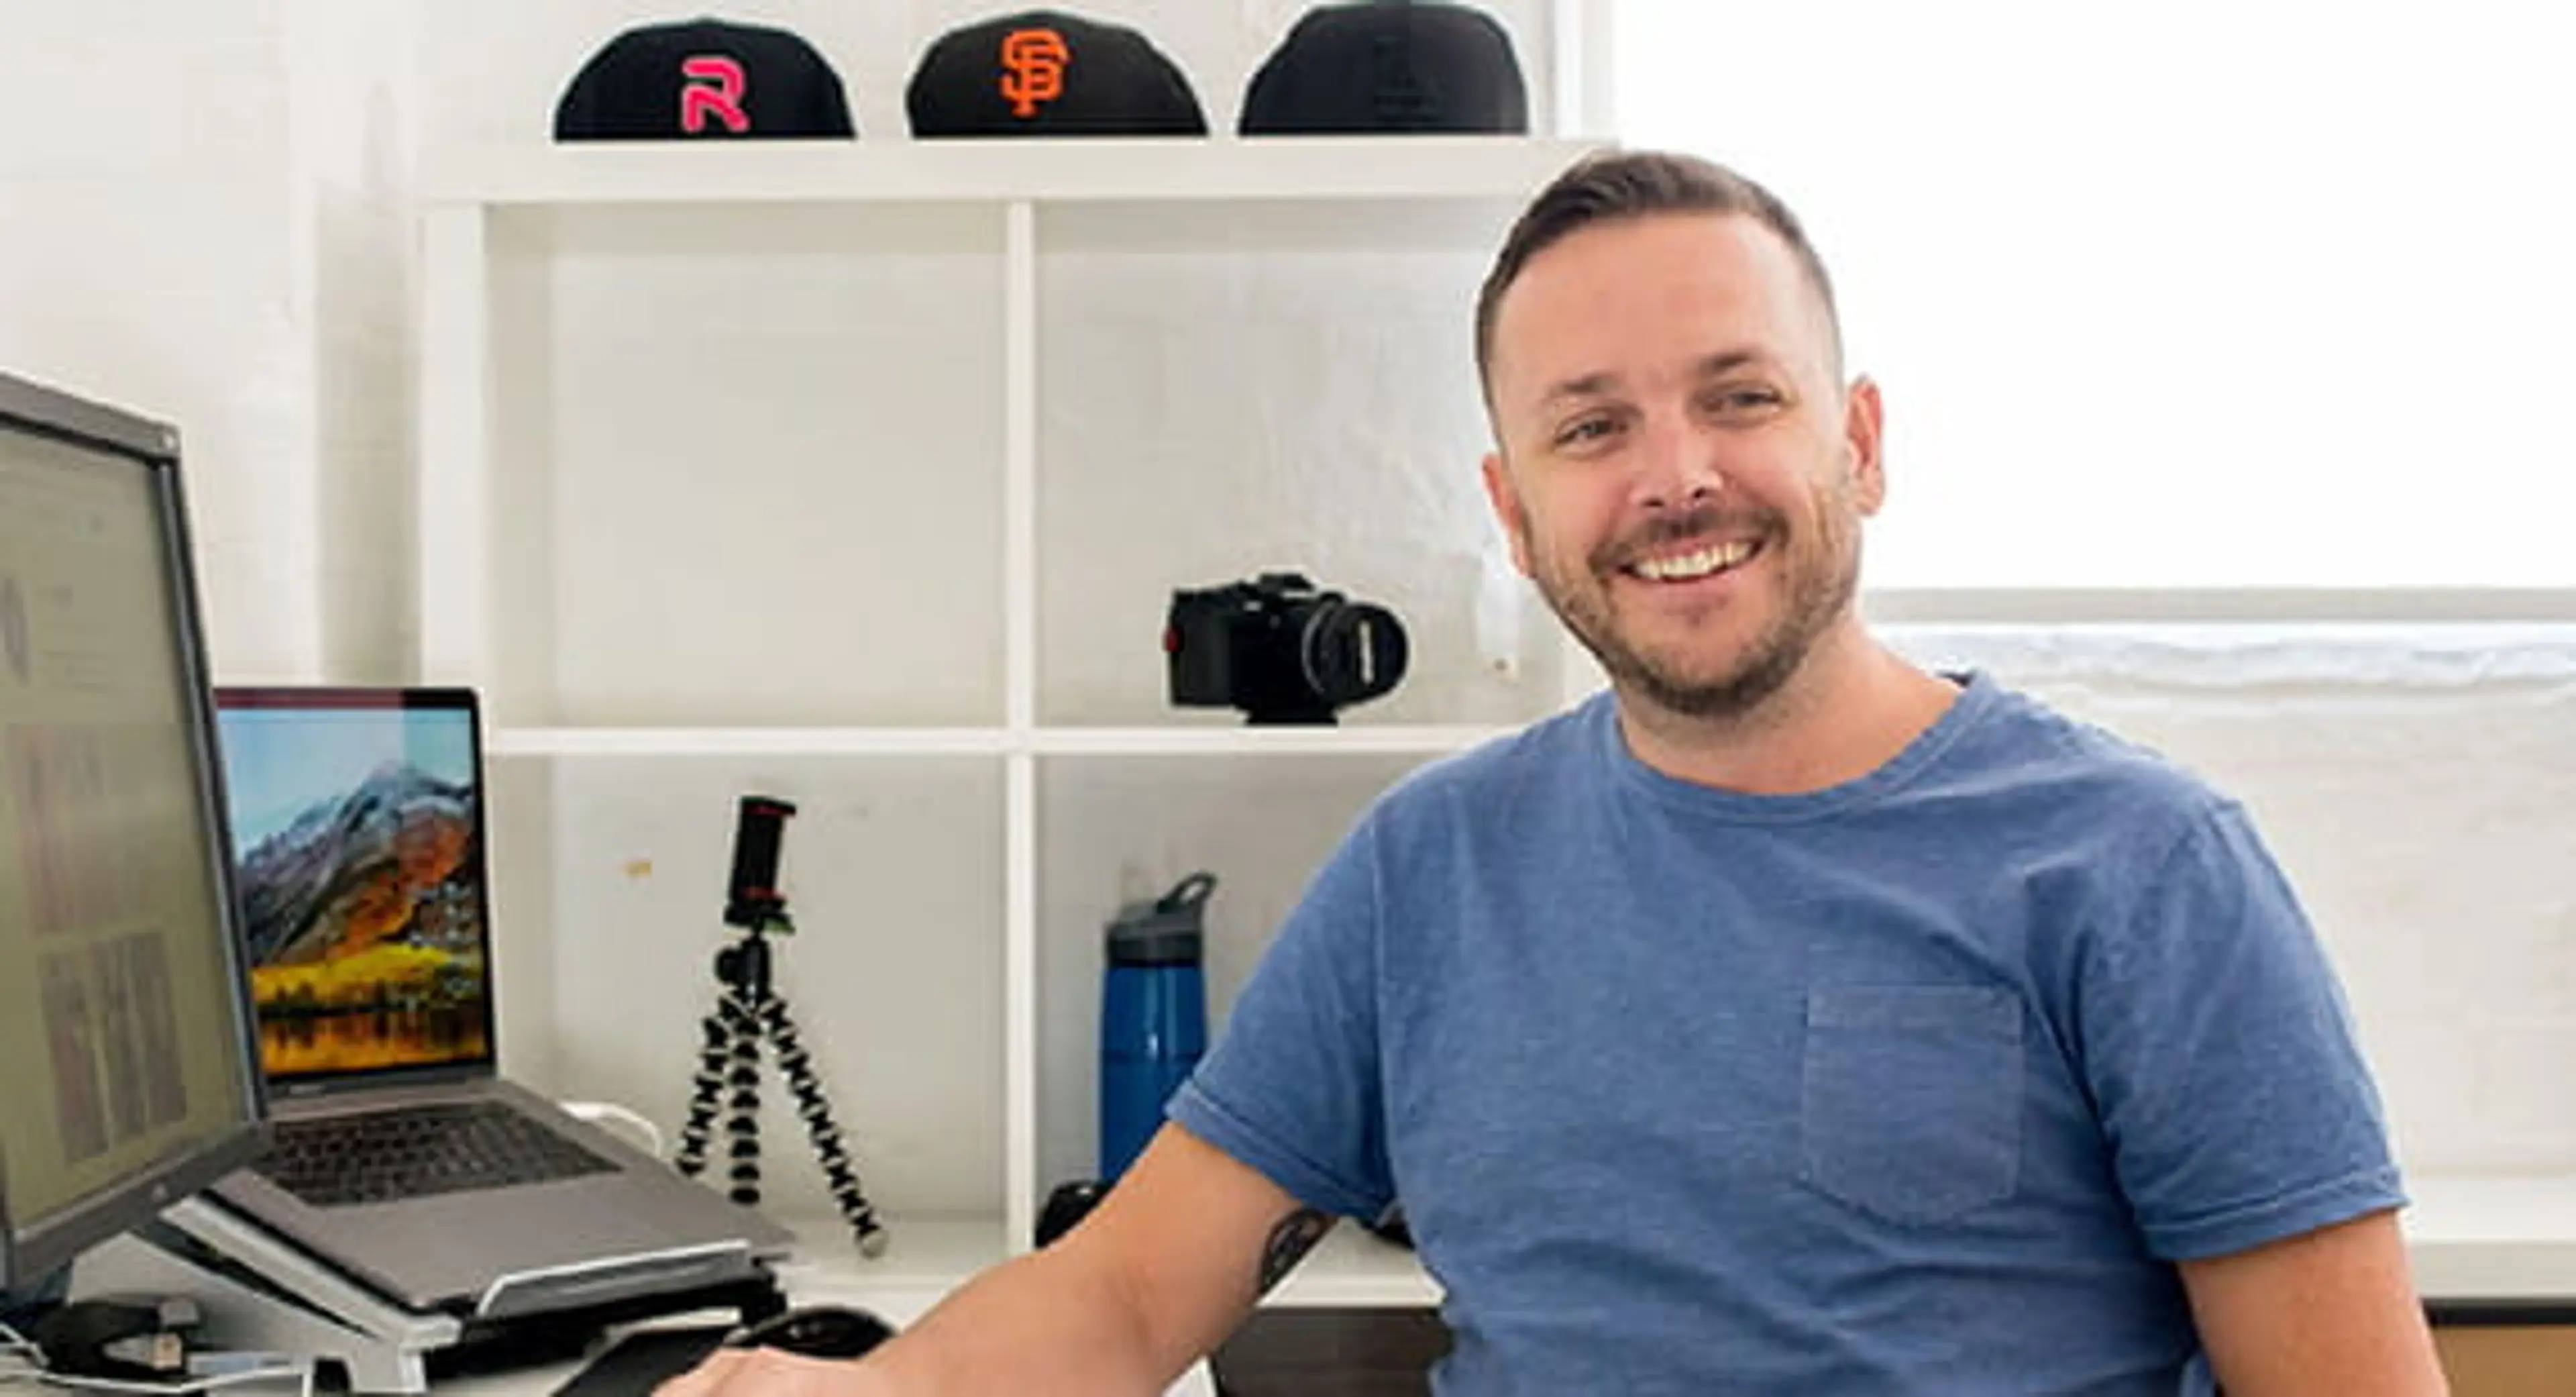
(31, 1251)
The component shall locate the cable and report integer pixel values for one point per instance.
(302, 1373)
(19, 1356)
(596, 1111)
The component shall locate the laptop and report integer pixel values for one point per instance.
(403, 1158)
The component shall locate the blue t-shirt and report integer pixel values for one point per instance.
(1917, 1084)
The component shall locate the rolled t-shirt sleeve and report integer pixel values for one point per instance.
(2221, 1053)
(1291, 1086)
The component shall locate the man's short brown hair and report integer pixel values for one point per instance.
(1612, 186)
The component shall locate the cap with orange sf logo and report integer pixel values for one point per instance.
(1046, 73)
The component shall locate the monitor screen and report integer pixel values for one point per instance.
(128, 1071)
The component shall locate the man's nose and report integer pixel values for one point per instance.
(1678, 467)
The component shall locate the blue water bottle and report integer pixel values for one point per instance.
(1153, 1016)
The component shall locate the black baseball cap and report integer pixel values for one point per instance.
(1047, 73)
(703, 80)
(1389, 66)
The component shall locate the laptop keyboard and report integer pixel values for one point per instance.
(418, 1151)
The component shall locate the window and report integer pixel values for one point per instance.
(2177, 295)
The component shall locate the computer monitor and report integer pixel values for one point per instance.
(129, 1072)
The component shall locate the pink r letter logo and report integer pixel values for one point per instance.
(723, 100)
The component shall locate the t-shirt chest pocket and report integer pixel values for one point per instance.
(1910, 1098)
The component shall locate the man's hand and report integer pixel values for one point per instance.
(769, 1372)
(1172, 1260)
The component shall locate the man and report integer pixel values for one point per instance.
(1790, 1021)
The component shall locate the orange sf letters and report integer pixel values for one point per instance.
(1033, 62)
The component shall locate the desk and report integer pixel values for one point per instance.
(2477, 1237)
(926, 1263)
(825, 1280)
(2471, 1238)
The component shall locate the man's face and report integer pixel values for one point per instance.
(1680, 471)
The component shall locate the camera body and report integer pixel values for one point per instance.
(1280, 649)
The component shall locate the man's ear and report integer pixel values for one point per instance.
(1864, 420)
(1506, 500)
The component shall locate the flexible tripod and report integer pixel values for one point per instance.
(749, 1007)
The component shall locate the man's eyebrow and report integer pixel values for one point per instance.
(1593, 385)
(1728, 361)
(1583, 386)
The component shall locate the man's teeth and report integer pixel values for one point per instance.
(1714, 558)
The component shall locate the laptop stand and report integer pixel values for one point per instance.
(260, 1293)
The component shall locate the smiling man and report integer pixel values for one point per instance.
(1667, 401)
(1788, 1020)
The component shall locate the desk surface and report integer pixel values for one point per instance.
(2493, 1237)
(2501, 1237)
(2470, 1236)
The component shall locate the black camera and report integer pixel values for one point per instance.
(1280, 649)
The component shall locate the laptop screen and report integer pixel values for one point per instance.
(357, 822)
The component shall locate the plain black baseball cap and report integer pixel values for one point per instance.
(1047, 73)
(704, 79)
(1389, 66)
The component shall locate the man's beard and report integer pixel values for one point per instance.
(1819, 591)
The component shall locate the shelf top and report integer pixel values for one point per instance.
(2469, 1237)
(930, 1256)
(511, 741)
(999, 171)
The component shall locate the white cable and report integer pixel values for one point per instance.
(596, 1111)
(195, 1382)
(20, 1359)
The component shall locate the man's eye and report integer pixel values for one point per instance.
(1740, 400)
(1584, 430)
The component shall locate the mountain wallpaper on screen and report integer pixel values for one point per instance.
(366, 901)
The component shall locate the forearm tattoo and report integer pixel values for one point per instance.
(1295, 1236)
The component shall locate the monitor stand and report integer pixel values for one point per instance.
(261, 1293)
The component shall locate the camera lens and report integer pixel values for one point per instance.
(1352, 650)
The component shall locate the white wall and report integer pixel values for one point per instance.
(144, 260)
(214, 229)
(351, 145)
(197, 223)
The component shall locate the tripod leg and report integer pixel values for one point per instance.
(838, 1173)
(705, 1092)
(742, 1076)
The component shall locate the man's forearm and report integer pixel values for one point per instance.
(1049, 1322)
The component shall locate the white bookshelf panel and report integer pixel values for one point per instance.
(863, 476)
(1274, 170)
(1115, 829)
(893, 974)
(749, 742)
(1281, 740)
(747, 464)
(1226, 389)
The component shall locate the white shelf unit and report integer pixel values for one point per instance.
(862, 475)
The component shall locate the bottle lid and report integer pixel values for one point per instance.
(1167, 930)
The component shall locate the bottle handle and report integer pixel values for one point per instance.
(1187, 893)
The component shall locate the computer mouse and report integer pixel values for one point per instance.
(817, 1331)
